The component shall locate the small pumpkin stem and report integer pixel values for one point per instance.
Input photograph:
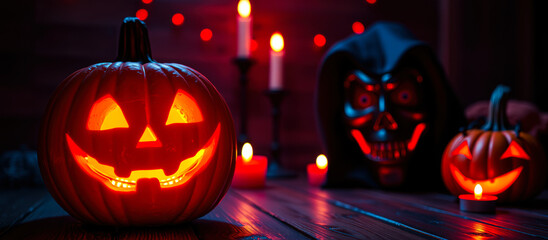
(134, 45)
(497, 120)
(463, 130)
(517, 129)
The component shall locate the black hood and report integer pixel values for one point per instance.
(379, 50)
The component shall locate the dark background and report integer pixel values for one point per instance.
(480, 43)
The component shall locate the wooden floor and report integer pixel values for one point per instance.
(290, 209)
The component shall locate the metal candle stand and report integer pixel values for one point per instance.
(275, 169)
(243, 64)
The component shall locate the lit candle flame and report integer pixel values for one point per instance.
(321, 161)
(244, 8)
(277, 42)
(247, 152)
(478, 191)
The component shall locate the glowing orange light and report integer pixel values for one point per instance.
(371, 1)
(361, 141)
(206, 34)
(358, 27)
(142, 14)
(106, 174)
(184, 109)
(147, 1)
(178, 19)
(277, 42)
(106, 114)
(515, 150)
(464, 150)
(492, 186)
(416, 135)
(321, 161)
(244, 8)
(148, 139)
(254, 45)
(478, 191)
(247, 152)
(319, 40)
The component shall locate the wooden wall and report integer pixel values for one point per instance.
(43, 41)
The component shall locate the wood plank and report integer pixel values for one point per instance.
(235, 218)
(50, 221)
(319, 219)
(527, 221)
(16, 204)
(437, 216)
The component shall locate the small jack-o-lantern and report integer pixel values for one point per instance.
(505, 162)
(136, 142)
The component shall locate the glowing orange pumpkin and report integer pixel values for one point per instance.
(507, 163)
(136, 142)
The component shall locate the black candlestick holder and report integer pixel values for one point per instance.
(243, 64)
(275, 169)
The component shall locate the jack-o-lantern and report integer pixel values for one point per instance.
(506, 162)
(136, 142)
(384, 109)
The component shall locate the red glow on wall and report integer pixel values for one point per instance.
(254, 45)
(371, 1)
(206, 34)
(146, 1)
(142, 14)
(358, 27)
(177, 19)
(319, 40)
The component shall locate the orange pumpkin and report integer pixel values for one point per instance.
(136, 142)
(507, 163)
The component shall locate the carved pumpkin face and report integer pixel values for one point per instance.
(136, 142)
(121, 166)
(506, 163)
(386, 116)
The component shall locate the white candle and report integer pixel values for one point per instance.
(244, 28)
(276, 61)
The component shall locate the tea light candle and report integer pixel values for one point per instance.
(316, 171)
(477, 202)
(250, 170)
(276, 61)
(244, 29)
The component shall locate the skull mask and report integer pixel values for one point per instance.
(383, 108)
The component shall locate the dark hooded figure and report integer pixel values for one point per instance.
(385, 111)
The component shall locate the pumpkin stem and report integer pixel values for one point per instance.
(134, 45)
(517, 129)
(497, 120)
(463, 130)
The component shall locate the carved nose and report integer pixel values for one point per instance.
(148, 139)
(385, 121)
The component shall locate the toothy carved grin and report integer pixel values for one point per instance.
(390, 151)
(492, 186)
(104, 173)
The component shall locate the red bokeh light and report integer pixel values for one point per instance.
(319, 40)
(142, 14)
(358, 27)
(371, 1)
(177, 19)
(254, 45)
(206, 34)
(146, 1)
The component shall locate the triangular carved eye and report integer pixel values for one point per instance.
(184, 109)
(463, 149)
(515, 150)
(106, 114)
